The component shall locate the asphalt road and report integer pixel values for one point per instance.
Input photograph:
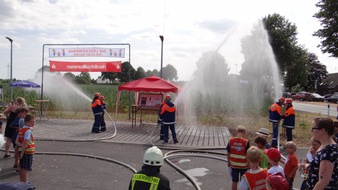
(328, 109)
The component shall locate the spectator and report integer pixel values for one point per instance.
(167, 116)
(261, 142)
(150, 177)
(291, 163)
(17, 124)
(26, 143)
(237, 148)
(289, 119)
(323, 170)
(264, 132)
(255, 177)
(11, 112)
(275, 115)
(274, 157)
(315, 144)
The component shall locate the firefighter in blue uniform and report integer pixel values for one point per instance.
(167, 115)
(149, 177)
(275, 115)
(97, 111)
(103, 123)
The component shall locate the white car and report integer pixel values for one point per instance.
(318, 97)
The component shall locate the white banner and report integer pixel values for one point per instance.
(87, 52)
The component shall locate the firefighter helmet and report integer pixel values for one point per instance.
(101, 97)
(153, 157)
(167, 96)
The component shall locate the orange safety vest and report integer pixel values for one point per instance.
(256, 181)
(30, 144)
(238, 152)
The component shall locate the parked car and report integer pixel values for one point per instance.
(286, 94)
(327, 96)
(333, 98)
(318, 97)
(303, 96)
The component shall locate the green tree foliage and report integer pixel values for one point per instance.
(328, 17)
(69, 76)
(123, 76)
(109, 75)
(83, 78)
(317, 72)
(169, 73)
(282, 35)
(140, 73)
(154, 72)
(290, 57)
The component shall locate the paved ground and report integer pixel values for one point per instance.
(63, 163)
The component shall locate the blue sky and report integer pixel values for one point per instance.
(189, 29)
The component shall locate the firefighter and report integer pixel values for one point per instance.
(103, 123)
(97, 111)
(149, 177)
(275, 115)
(289, 119)
(167, 116)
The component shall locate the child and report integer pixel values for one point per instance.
(261, 142)
(276, 182)
(17, 124)
(264, 132)
(291, 163)
(236, 155)
(315, 144)
(274, 157)
(26, 143)
(255, 177)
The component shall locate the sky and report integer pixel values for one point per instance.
(189, 27)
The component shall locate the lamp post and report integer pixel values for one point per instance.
(11, 70)
(162, 38)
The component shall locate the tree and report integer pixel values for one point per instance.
(282, 35)
(124, 74)
(69, 76)
(317, 72)
(109, 75)
(169, 73)
(290, 58)
(154, 72)
(328, 17)
(83, 78)
(140, 73)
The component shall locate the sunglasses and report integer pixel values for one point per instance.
(313, 128)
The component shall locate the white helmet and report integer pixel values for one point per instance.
(153, 157)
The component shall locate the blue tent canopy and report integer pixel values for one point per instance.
(24, 84)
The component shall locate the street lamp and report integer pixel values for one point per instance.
(162, 38)
(11, 70)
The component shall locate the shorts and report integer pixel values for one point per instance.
(236, 174)
(26, 162)
(9, 132)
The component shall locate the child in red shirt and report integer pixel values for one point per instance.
(291, 163)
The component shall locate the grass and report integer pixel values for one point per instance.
(301, 134)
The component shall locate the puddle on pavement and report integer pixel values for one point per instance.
(195, 172)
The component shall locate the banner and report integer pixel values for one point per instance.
(103, 66)
(87, 52)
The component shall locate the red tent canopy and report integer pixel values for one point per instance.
(150, 84)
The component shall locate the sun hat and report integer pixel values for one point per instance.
(13, 186)
(263, 131)
(273, 154)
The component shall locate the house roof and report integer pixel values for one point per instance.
(331, 81)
